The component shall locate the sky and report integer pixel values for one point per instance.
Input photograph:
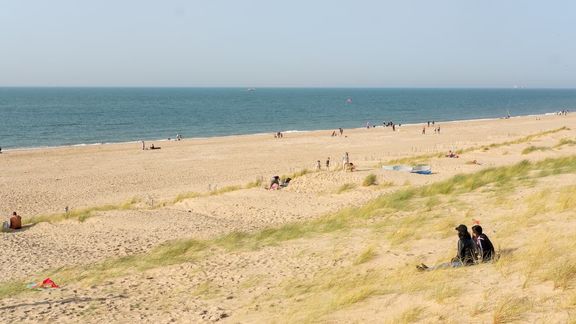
(267, 43)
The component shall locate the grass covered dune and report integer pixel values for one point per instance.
(358, 264)
(196, 238)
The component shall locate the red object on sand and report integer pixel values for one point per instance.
(48, 283)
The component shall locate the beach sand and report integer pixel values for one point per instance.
(246, 285)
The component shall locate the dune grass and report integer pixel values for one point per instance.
(81, 214)
(366, 256)
(411, 315)
(370, 180)
(383, 211)
(510, 309)
(345, 187)
(532, 148)
(565, 141)
(427, 157)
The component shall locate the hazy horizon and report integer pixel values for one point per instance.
(255, 43)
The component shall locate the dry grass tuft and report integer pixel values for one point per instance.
(531, 149)
(367, 255)
(345, 187)
(510, 309)
(370, 180)
(411, 315)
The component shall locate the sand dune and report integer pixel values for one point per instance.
(268, 283)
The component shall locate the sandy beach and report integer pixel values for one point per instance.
(246, 285)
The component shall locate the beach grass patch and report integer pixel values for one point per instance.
(345, 187)
(510, 309)
(370, 180)
(411, 315)
(366, 256)
(565, 141)
(532, 148)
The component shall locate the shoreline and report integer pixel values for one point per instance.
(79, 145)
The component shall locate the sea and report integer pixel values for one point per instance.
(48, 117)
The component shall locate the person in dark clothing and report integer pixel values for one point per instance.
(485, 249)
(465, 255)
(466, 248)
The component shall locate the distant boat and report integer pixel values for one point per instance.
(349, 100)
(251, 89)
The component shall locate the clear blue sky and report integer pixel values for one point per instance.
(400, 43)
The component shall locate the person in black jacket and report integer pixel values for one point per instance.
(485, 248)
(465, 255)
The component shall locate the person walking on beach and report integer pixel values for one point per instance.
(143, 145)
(423, 130)
(341, 131)
(345, 161)
(438, 130)
(318, 167)
(393, 127)
(328, 164)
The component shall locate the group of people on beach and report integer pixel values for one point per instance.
(433, 123)
(278, 135)
(472, 249)
(276, 183)
(319, 165)
(339, 131)
(14, 222)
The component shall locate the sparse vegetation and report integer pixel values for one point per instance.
(81, 214)
(427, 157)
(370, 180)
(411, 315)
(510, 309)
(531, 149)
(565, 141)
(366, 256)
(345, 187)
(398, 219)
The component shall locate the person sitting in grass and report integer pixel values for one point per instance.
(485, 248)
(465, 255)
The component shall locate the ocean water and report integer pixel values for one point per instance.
(40, 117)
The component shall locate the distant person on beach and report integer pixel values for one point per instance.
(143, 145)
(15, 221)
(0, 150)
(351, 167)
(333, 133)
(345, 161)
(152, 147)
(423, 130)
(341, 131)
(328, 164)
(285, 182)
(393, 127)
(438, 130)
(274, 183)
(465, 255)
(318, 166)
(484, 245)
(452, 155)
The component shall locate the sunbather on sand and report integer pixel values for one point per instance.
(274, 183)
(15, 221)
(465, 255)
(452, 155)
